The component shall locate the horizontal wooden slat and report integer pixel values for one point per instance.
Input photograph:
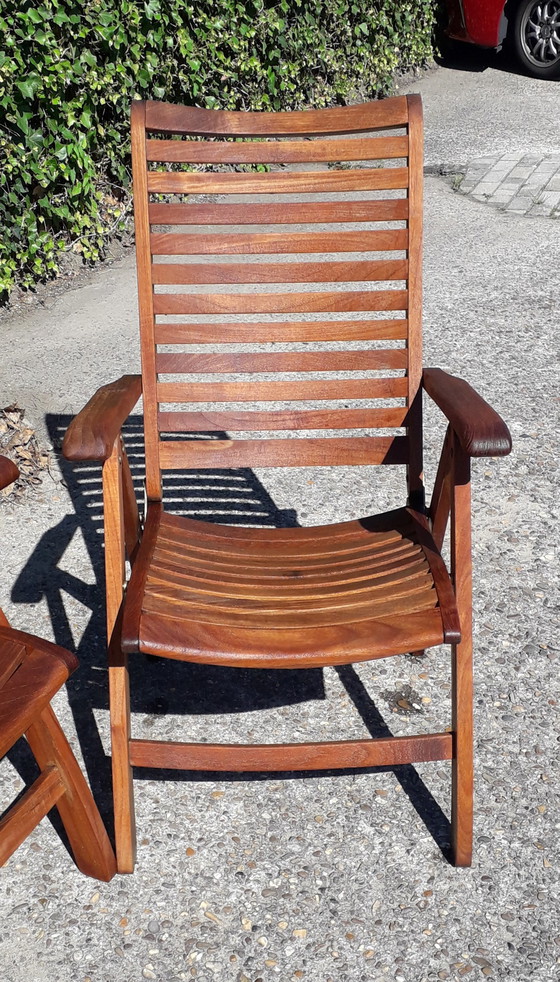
(309, 419)
(285, 361)
(330, 272)
(332, 330)
(279, 303)
(306, 452)
(308, 391)
(170, 244)
(381, 752)
(286, 152)
(291, 213)
(164, 117)
(296, 182)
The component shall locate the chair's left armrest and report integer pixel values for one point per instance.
(92, 433)
(480, 431)
(8, 472)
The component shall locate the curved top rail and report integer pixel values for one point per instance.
(163, 117)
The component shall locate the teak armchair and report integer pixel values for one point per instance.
(31, 672)
(298, 597)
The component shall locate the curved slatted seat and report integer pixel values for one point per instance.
(328, 595)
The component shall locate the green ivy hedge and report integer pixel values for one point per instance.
(70, 68)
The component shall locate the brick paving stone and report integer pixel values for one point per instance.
(517, 182)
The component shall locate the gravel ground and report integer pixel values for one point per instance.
(325, 878)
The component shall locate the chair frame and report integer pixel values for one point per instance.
(474, 430)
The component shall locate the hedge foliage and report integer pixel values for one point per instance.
(69, 69)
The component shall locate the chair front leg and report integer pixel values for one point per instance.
(117, 532)
(462, 671)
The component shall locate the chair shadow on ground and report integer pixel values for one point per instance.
(163, 686)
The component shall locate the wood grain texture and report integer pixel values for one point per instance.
(228, 304)
(301, 597)
(93, 853)
(272, 213)
(302, 452)
(284, 152)
(123, 792)
(461, 661)
(114, 533)
(28, 811)
(289, 361)
(335, 330)
(145, 295)
(415, 479)
(295, 272)
(479, 429)
(264, 243)
(306, 419)
(296, 182)
(382, 114)
(92, 433)
(382, 752)
(311, 391)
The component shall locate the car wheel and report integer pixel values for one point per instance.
(536, 37)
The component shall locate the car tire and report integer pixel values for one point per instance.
(536, 37)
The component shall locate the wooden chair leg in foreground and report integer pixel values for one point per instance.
(31, 671)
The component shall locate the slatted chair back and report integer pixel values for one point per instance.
(223, 297)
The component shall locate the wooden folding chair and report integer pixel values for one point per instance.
(31, 672)
(298, 597)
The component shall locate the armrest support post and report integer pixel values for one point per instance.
(114, 528)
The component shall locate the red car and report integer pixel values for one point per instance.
(531, 26)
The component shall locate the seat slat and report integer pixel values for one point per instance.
(282, 592)
(296, 182)
(170, 244)
(309, 391)
(291, 213)
(170, 570)
(286, 152)
(167, 118)
(330, 272)
(306, 452)
(319, 419)
(306, 647)
(382, 330)
(170, 605)
(341, 301)
(285, 361)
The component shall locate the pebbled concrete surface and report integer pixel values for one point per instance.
(326, 879)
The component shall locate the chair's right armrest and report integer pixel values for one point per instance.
(8, 472)
(92, 433)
